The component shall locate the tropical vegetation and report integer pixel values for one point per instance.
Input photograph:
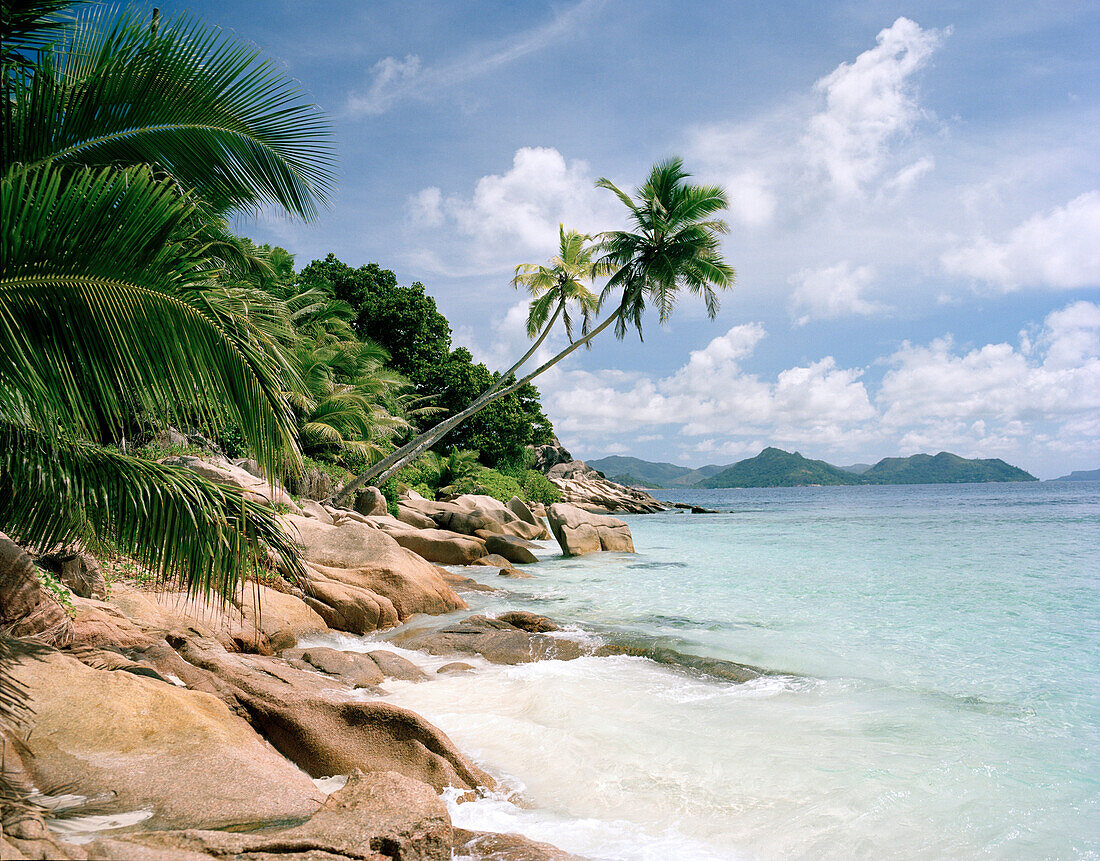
(125, 144)
(673, 244)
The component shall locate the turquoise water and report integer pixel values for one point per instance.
(936, 693)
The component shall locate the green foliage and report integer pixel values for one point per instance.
(56, 588)
(774, 467)
(424, 490)
(333, 470)
(122, 149)
(538, 488)
(491, 483)
(406, 322)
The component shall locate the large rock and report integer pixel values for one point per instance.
(414, 518)
(346, 607)
(352, 668)
(329, 734)
(370, 501)
(158, 613)
(284, 618)
(511, 548)
(382, 816)
(579, 532)
(472, 512)
(26, 608)
(223, 472)
(494, 639)
(548, 456)
(135, 743)
(77, 570)
(441, 546)
(521, 510)
(490, 846)
(359, 555)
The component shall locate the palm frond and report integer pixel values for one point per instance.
(98, 308)
(184, 528)
(196, 103)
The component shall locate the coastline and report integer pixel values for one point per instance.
(561, 737)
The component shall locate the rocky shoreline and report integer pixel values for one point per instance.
(199, 733)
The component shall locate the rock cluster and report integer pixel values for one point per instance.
(587, 488)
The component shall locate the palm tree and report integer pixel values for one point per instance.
(556, 286)
(673, 245)
(122, 146)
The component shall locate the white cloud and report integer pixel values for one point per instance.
(997, 389)
(712, 395)
(1059, 249)
(832, 291)
(994, 400)
(835, 143)
(426, 207)
(513, 217)
(393, 80)
(868, 103)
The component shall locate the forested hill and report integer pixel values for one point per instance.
(940, 469)
(774, 467)
(633, 470)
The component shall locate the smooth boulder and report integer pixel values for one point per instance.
(441, 546)
(383, 816)
(284, 618)
(579, 532)
(361, 556)
(511, 548)
(326, 733)
(223, 472)
(144, 744)
(494, 639)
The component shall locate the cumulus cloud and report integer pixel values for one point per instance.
(515, 215)
(993, 396)
(985, 401)
(868, 103)
(832, 291)
(1059, 249)
(835, 142)
(711, 394)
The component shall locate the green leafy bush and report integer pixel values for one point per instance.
(424, 490)
(538, 488)
(56, 588)
(491, 483)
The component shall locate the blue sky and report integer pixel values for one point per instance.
(915, 206)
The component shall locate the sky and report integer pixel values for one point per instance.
(914, 206)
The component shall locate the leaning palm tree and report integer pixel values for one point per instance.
(122, 145)
(673, 244)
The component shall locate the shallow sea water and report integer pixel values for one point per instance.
(935, 685)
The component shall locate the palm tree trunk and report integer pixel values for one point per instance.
(389, 465)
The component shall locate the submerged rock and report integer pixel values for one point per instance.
(487, 846)
(494, 639)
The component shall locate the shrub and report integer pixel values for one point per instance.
(491, 483)
(538, 488)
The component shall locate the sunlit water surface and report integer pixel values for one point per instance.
(936, 691)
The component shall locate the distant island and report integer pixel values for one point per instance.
(1078, 475)
(774, 467)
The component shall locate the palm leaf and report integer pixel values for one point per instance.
(195, 103)
(183, 527)
(97, 309)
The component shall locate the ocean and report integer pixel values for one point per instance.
(932, 686)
